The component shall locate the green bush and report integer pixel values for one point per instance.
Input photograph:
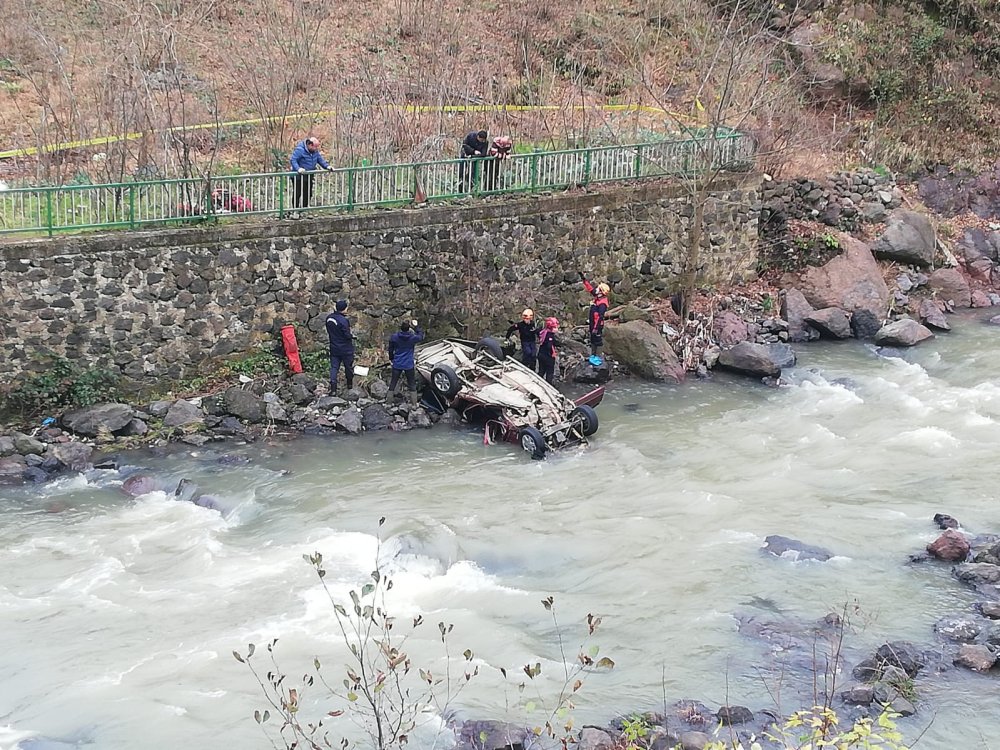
(63, 385)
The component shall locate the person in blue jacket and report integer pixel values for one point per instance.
(338, 328)
(304, 161)
(401, 345)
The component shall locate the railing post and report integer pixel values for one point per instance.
(350, 189)
(637, 165)
(281, 196)
(209, 208)
(586, 167)
(48, 209)
(131, 206)
(475, 176)
(533, 170)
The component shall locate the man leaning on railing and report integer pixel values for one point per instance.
(304, 161)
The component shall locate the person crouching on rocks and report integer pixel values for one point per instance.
(529, 337)
(401, 346)
(598, 309)
(547, 343)
(338, 328)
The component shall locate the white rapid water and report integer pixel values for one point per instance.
(118, 616)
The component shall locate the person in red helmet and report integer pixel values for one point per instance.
(528, 333)
(547, 343)
(598, 309)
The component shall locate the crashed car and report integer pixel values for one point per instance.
(513, 403)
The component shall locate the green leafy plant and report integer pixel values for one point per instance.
(819, 727)
(635, 730)
(63, 384)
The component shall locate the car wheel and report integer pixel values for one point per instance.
(491, 345)
(588, 419)
(444, 381)
(532, 441)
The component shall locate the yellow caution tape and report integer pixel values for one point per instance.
(409, 108)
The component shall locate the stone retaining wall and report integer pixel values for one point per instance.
(159, 304)
(842, 200)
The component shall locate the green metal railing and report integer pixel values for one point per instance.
(132, 205)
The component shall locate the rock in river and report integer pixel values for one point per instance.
(976, 658)
(754, 360)
(92, 420)
(792, 549)
(902, 332)
(641, 349)
(951, 546)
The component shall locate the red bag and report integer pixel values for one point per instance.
(291, 348)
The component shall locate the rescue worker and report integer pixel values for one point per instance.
(338, 328)
(547, 343)
(499, 151)
(401, 345)
(528, 334)
(598, 309)
(475, 146)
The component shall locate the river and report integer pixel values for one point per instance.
(118, 616)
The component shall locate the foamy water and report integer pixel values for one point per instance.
(118, 616)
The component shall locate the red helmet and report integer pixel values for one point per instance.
(552, 323)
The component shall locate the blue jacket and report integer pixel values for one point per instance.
(301, 157)
(401, 345)
(338, 328)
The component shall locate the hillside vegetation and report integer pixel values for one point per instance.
(903, 84)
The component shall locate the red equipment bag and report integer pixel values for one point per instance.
(291, 348)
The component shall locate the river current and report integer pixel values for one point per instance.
(118, 617)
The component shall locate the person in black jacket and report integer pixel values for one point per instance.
(401, 345)
(547, 343)
(529, 337)
(475, 146)
(338, 328)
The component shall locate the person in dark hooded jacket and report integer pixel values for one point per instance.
(401, 345)
(528, 333)
(338, 328)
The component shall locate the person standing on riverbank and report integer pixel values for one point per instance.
(303, 161)
(598, 309)
(401, 345)
(338, 328)
(528, 334)
(547, 344)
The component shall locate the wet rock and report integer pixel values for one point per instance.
(182, 412)
(694, 740)
(491, 735)
(951, 546)
(831, 322)
(375, 417)
(753, 360)
(27, 445)
(959, 629)
(230, 426)
(932, 316)
(6, 446)
(992, 637)
(901, 654)
(419, 418)
(902, 706)
(379, 389)
(275, 412)
(902, 332)
(980, 299)
(243, 404)
(794, 310)
(134, 428)
(944, 521)
(325, 403)
(35, 474)
(730, 715)
(852, 281)
(354, 395)
(641, 349)
(979, 575)
(781, 354)
(101, 418)
(350, 421)
(865, 324)
(12, 468)
(990, 609)
(908, 239)
(991, 554)
(951, 286)
(867, 670)
(858, 695)
(978, 658)
(792, 549)
(592, 738)
(74, 456)
(140, 484)
(729, 329)
(196, 440)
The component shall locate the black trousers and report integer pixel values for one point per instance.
(302, 189)
(411, 379)
(466, 173)
(547, 368)
(336, 360)
(529, 353)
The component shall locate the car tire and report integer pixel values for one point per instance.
(444, 381)
(588, 418)
(532, 441)
(491, 345)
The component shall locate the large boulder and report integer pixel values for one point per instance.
(908, 238)
(74, 456)
(975, 657)
(181, 413)
(641, 349)
(932, 316)
(793, 549)
(350, 420)
(12, 468)
(6, 446)
(831, 322)
(782, 355)
(754, 360)
(959, 629)
(27, 445)
(93, 420)
(729, 329)
(951, 546)
(375, 417)
(795, 308)
(902, 332)
(951, 286)
(243, 404)
(851, 281)
(901, 654)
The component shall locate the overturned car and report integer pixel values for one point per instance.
(513, 403)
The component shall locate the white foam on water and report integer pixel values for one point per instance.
(931, 440)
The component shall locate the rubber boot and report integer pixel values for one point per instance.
(414, 398)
